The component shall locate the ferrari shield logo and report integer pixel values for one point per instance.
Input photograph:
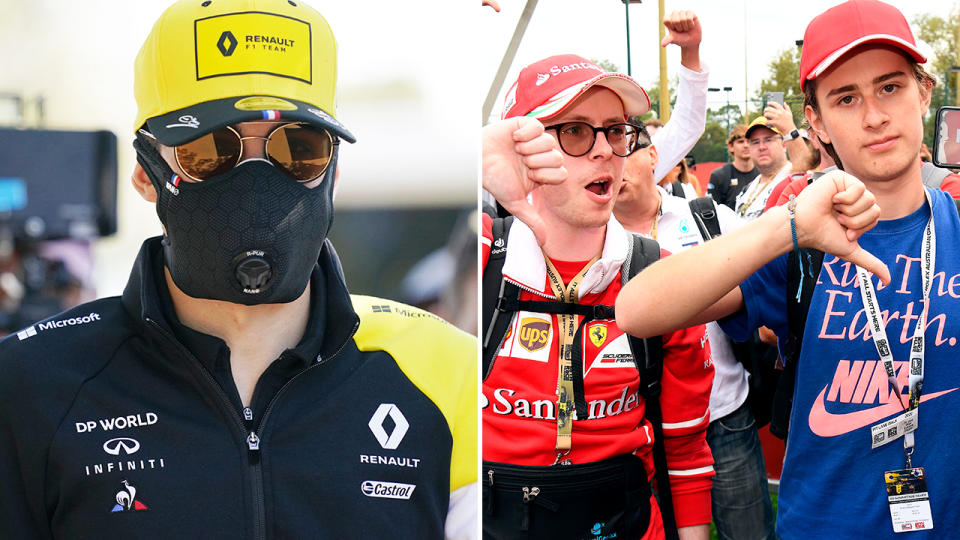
(598, 334)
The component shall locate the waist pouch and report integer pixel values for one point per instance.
(609, 498)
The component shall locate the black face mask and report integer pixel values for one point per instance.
(251, 235)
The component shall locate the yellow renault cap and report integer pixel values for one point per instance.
(210, 63)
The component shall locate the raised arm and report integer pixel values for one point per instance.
(831, 214)
(678, 136)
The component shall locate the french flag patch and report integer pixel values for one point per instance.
(271, 115)
(172, 184)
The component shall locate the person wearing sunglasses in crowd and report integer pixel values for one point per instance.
(236, 389)
(568, 452)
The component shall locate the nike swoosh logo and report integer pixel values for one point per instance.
(826, 424)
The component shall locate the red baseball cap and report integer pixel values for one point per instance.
(545, 88)
(841, 28)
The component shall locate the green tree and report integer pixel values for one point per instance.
(724, 113)
(712, 145)
(941, 34)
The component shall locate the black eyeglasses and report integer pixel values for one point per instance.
(577, 138)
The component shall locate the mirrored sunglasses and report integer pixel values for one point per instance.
(301, 151)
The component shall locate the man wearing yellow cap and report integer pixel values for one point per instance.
(768, 153)
(236, 389)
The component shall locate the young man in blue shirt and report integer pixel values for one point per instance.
(872, 348)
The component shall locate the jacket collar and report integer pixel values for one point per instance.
(332, 318)
(525, 265)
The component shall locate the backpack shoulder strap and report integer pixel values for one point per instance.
(494, 290)
(647, 353)
(704, 212)
(648, 356)
(650, 390)
(643, 252)
(677, 188)
(800, 286)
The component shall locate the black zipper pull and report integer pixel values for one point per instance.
(529, 494)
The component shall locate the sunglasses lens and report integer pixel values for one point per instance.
(303, 152)
(210, 155)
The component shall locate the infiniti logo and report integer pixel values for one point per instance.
(128, 445)
(391, 441)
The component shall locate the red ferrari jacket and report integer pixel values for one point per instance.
(519, 392)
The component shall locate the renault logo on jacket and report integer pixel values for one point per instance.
(391, 441)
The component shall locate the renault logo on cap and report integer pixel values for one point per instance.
(128, 445)
(391, 441)
(227, 43)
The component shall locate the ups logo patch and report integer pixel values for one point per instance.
(534, 333)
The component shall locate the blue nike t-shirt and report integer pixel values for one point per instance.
(832, 484)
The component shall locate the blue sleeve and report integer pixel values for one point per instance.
(764, 302)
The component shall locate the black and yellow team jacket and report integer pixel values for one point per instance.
(112, 427)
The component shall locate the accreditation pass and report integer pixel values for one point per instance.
(909, 500)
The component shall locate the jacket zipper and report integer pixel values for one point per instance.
(253, 440)
(245, 424)
(259, 529)
(528, 289)
(529, 494)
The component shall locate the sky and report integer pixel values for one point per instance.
(740, 37)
